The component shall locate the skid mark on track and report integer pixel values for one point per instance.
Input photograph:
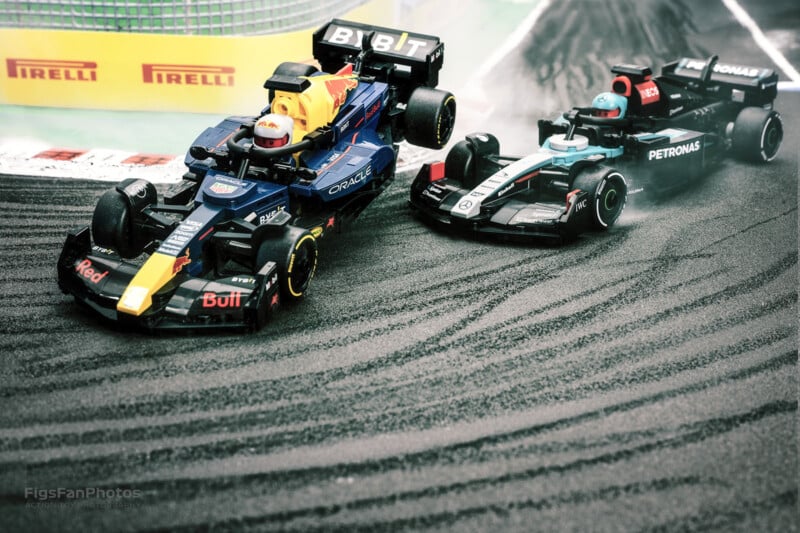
(438, 383)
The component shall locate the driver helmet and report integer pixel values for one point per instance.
(609, 105)
(273, 130)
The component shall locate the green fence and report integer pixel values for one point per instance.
(194, 17)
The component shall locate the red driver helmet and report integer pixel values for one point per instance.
(273, 130)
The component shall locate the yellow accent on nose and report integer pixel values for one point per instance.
(154, 274)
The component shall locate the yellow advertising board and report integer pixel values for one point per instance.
(151, 72)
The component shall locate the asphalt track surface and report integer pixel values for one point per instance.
(642, 379)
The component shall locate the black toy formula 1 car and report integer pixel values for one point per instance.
(238, 234)
(647, 134)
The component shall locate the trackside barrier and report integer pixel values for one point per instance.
(187, 17)
(152, 72)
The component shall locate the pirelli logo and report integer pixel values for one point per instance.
(51, 69)
(208, 75)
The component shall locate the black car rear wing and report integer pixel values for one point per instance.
(750, 85)
(395, 56)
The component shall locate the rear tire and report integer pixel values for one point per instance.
(608, 193)
(757, 134)
(296, 256)
(429, 117)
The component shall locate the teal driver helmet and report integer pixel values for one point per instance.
(609, 105)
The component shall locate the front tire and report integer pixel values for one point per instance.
(114, 219)
(757, 134)
(608, 192)
(459, 164)
(430, 117)
(296, 254)
(258, 316)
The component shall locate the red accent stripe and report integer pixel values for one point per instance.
(225, 139)
(342, 154)
(526, 176)
(204, 235)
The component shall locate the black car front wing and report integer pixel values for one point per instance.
(97, 278)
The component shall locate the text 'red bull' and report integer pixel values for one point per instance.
(217, 301)
(87, 270)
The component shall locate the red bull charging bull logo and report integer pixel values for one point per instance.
(268, 124)
(338, 87)
(180, 262)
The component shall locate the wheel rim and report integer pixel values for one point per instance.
(771, 138)
(302, 265)
(446, 121)
(610, 200)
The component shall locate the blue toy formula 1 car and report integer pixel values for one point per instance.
(238, 234)
(652, 135)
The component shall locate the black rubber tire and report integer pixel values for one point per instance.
(112, 224)
(459, 165)
(296, 256)
(608, 192)
(257, 318)
(757, 134)
(430, 117)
